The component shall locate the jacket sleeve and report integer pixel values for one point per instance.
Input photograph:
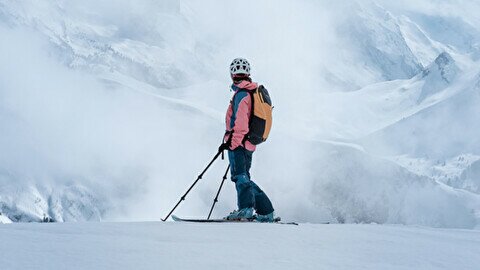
(228, 116)
(240, 127)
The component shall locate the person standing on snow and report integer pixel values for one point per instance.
(240, 150)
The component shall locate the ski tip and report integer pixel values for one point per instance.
(175, 218)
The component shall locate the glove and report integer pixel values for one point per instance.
(223, 147)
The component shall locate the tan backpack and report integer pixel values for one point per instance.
(260, 121)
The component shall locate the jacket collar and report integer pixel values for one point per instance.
(244, 85)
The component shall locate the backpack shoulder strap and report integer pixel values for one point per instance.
(252, 111)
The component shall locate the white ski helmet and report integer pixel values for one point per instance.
(239, 66)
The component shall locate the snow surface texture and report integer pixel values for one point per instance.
(108, 111)
(157, 245)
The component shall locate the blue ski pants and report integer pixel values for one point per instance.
(248, 193)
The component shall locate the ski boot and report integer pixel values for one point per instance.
(267, 218)
(242, 214)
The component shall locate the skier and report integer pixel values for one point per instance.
(240, 150)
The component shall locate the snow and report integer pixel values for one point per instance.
(109, 113)
(4, 219)
(459, 172)
(155, 245)
(388, 53)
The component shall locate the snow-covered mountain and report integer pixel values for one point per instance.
(109, 110)
(379, 39)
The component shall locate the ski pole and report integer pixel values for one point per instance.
(198, 178)
(218, 192)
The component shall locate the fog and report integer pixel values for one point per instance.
(127, 100)
(63, 127)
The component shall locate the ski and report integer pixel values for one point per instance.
(277, 221)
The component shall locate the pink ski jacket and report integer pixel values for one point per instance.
(238, 115)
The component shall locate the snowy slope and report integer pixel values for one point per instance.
(438, 139)
(459, 172)
(387, 54)
(228, 246)
(349, 185)
(377, 106)
(441, 140)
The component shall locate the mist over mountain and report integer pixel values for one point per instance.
(108, 111)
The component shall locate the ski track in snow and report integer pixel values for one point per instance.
(156, 245)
